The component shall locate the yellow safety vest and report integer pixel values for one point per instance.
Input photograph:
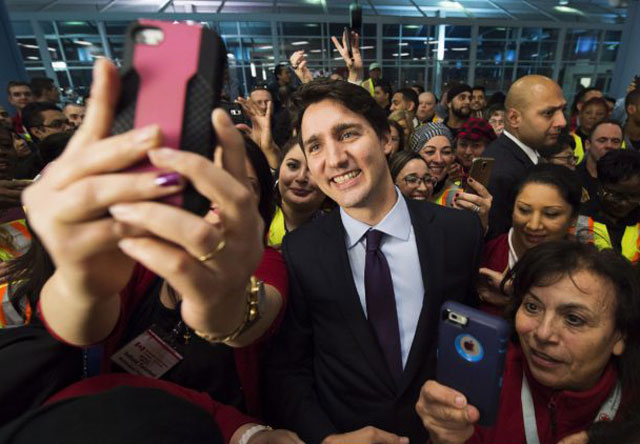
(277, 229)
(579, 150)
(19, 239)
(368, 85)
(596, 233)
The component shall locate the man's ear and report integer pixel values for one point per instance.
(631, 109)
(513, 117)
(411, 106)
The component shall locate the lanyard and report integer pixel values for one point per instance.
(606, 413)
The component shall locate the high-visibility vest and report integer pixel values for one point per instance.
(19, 239)
(368, 85)
(446, 196)
(9, 316)
(277, 229)
(588, 230)
(579, 150)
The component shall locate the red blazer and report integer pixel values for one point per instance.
(495, 254)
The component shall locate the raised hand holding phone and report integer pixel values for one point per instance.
(353, 60)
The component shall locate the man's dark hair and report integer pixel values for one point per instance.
(497, 98)
(14, 83)
(40, 85)
(266, 205)
(549, 262)
(491, 110)
(32, 114)
(579, 98)
(419, 87)
(479, 88)
(618, 165)
(386, 86)
(596, 101)
(606, 122)
(351, 96)
(410, 95)
(610, 99)
(633, 98)
(396, 125)
(279, 68)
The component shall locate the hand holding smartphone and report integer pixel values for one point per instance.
(172, 76)
(480, 171)
(471, 354)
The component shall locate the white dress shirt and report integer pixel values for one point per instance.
(530, 152)
(400, 249)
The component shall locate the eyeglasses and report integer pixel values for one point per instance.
(619, 197)
(416, 181)
(570, 158)
(57, 124)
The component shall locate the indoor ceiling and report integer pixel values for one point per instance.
(609, 11)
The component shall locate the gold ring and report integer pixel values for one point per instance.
(217, 250)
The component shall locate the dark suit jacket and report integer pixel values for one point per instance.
(326, 373)
(510, 167)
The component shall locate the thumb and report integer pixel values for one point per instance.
(576, 438)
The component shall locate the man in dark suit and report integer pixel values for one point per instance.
(367, 282)
(533, 121)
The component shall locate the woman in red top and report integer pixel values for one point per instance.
(191, 275)
(574, 356)
(546, 206)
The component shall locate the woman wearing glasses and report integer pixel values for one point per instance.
(563, 153)
(411, 175)
(612, 218)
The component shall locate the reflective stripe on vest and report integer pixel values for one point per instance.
(579, 151)
(369, 87)
(587, 230)
(20, 239)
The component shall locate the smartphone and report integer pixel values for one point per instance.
(472, 346)
(480, 171)
(172, 76)
(355, 24)
(235, 111)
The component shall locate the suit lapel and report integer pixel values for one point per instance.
(516, 151)
(338, 267)
(430, 243)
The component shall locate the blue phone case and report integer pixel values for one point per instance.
(472, 347)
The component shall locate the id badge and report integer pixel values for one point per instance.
(147, 355)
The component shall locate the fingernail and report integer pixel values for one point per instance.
(145, 134)
(163, 154)
(120, 211)
(459, 401)
(168, 179)
(404, 440)
(471, 180)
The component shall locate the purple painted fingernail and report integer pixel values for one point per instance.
(168, 179)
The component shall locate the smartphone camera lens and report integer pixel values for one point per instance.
(149, 36)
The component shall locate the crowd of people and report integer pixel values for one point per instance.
(304, 305)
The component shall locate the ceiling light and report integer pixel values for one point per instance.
(231, 56)
(404, 54)
(82, 42)
(404, 44)
(319, 50)
(32, 58)
(366, 47)
(265, 47)
(58, 66)
(459, 49)
(300, 43)
(412, 26)
(337, 58)
(568, 9)
(28, 46)
(563, 2)
(446, 4)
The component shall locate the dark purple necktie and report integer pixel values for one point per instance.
(381, 302)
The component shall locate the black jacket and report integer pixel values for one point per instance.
(326, 373)
(510, 167)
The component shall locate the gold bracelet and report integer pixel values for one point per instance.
(254, 291)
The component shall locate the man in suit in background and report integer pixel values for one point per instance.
(367, 282)
(533, 121)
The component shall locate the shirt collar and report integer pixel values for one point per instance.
(530, 152)
(396, 223)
